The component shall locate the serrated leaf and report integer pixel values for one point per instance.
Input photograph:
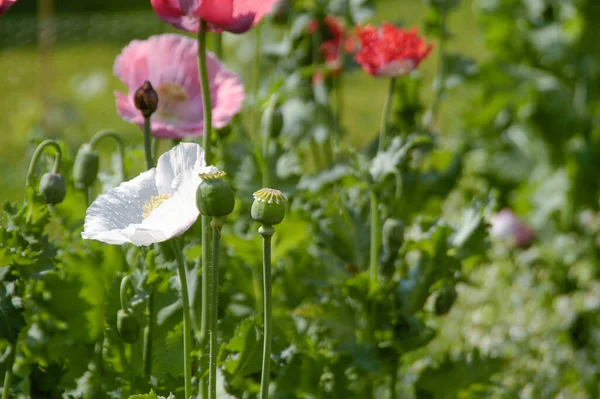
(242, 355)
(11, 320)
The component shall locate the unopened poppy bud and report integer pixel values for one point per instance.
(214, 196)
(53, 188)
(393, 234)
(128, 326)
(85, 167)
(146, 99)
(276, 122)
(268, 207)
(445, 299)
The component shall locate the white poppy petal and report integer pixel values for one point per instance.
(174, 216)
(114, 211)
(139, 234)
(185, 156)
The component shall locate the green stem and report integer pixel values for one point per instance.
(149, 334)
(36, 156)
(148, 144)
(205, 315)
(206, 100)
(216, 224)
(375, 240)
(393, 380)
(187, 322)
(108, 133)
(256, 66)
(441, 73)
(206, 143)
(9, 371)
(134, 364)
(266, 232)
(125, 283)
(218, 45)
(387, 106)
(266, 133)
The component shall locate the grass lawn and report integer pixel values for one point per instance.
(79, 81)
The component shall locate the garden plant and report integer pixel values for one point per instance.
(275, 227)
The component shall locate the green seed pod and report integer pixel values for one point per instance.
(128, 326)
(445, 299)
(53, 188)
(85, 167)
(214, 196)
(268, 207)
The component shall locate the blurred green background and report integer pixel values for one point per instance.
(78, 82)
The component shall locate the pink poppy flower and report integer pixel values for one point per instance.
(389, 51)
(5, 5)
(505, 225)
(170, 63)
(236, 16)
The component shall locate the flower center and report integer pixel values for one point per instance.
(154, 203)
(170, 96)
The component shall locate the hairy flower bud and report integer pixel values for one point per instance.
(146, 99)
(128, 326)
(85, 167)
(214, 196)
(53, 188)
(268, 207)
(276, 122)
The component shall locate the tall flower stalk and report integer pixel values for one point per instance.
(268, 209)
(207, 112)
(214, 198)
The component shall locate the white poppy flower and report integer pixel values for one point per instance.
(155, 206)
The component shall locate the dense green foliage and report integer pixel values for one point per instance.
(455, 314)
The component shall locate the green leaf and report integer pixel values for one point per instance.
(11, 320)
(242, 355)
(151, 395)
(451, 377)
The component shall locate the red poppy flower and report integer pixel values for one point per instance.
(390, 51)
(221, 15)
(5, 5)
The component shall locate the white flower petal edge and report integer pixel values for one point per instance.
(116, 217)
(185, 156)
(109, 217)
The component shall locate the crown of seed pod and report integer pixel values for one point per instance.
(214, 196)
(53, 188)
(268, 207)
(146, 99)
(85, 167)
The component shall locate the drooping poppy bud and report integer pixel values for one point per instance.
(85, 167)
(128, 326)
(214, 196)
(268, 207)
(276, 122)
(53, 188)
(146, 99)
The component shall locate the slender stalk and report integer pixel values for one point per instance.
(256, 67)
(187, 321)
(135, 348)
(206, 143)
(387, 106)
(205, 315)
(206, 100)
(441, 73)
(148, 144)
(107, 133)
(216, 224)
(149, 330)
(266, 133)
(149, 334)
(375, 240)
(36, 156)
(393, 380)
(9, 371)
(218, 45)
(266, 232)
